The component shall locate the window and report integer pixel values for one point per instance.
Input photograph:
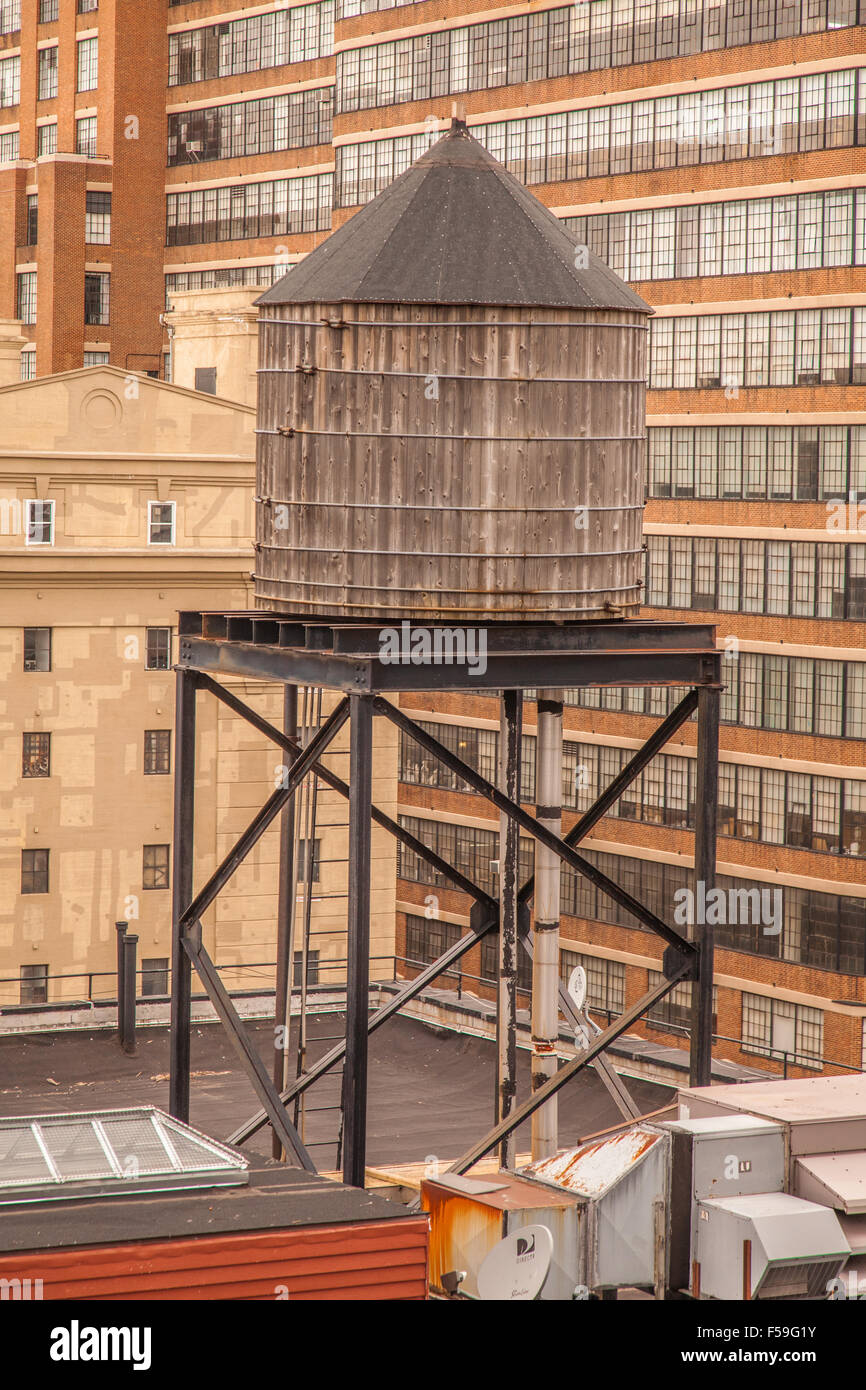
(10, 81)
(28, 364)
(205, 379)
(86, 6)
(303, 860)
(96, 297)
(88, 64)
(427, 939)
(37, 649)
(157, 649)
(32, 219)
(48, 11)
(40, 522)
(674, 1012)
(312, 969)
(26, 296)
(776, 1028)
(85, 141)
(47, 139)
(154, 976)
(47, 73)
(154, 867)
(160, 523)
(34, 871)
(157, 751)
(36, 755)
(97, 218)
(605, 980)
(96, 359)
(33, 987)
(490, 961)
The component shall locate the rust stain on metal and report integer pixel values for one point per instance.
(593, 1168)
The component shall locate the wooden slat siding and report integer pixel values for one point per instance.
(371, 1260)
(396, 572)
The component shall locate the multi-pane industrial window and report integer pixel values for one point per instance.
(427, 939)
(39, 522)
(10, 16)
(309, 872)
(490, 963)
(755, 803)
(37, 649)
(10, 81)
(799, 578)
(556, 42)
(97, 218)
(32, 219)
(48, 11)
(88, 64)
(262, 126)
(231, 275)
(282, 207)
(605, 980)
(96, 359)
(758, 234)
(9, 146)
(823, 930)
(248, 45)
(34, 871)
(86, 135)
(160, 523)
(298, 968)
(97, 297)
(473, 851)
(157, 649)
(28, 364)
(803, 347)
(36, 755)
(674, 1012)
(26, 296)
(757, 461)
(33, 987)
(154, 866)
(154, 976)
(46, 139)
(775, 1028)
(87, 6)
(47, 73)
(157, 751)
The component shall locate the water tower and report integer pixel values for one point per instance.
(451, 411)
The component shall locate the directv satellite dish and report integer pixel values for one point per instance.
(517, 1267)
(577, 987)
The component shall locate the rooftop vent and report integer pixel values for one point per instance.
(106, 1152)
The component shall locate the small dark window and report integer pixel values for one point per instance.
(37, 649)
(34, 871)
(36, 755)
(34, 984)
(157, 751)
(154, 975)
(160, 523)
(155, 866)
(303, 860)
(312, 968)
(205, 380)
(158, 653)
(32, 219)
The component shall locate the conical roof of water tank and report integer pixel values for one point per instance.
(455, 228)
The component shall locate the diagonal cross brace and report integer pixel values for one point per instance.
(554, 842)
(480, 928)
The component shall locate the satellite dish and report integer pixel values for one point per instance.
(577, 987)
(517, 1267)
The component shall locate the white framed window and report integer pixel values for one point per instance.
(39, 522)
(161, 518)
(88, 64)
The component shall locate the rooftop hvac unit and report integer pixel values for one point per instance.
(719, 1156)
(767, 1245)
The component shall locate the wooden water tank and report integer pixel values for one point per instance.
(451, 411)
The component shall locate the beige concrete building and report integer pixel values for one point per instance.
(123, 500)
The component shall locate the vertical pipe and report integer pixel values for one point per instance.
(285, 909)
(706, 802)
(358, 945)
(120, 928)
(511, 710)
(182, 883)
(545, 959)
(130, 948)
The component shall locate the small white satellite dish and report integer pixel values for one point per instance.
(517, 1267)
(577, 987)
